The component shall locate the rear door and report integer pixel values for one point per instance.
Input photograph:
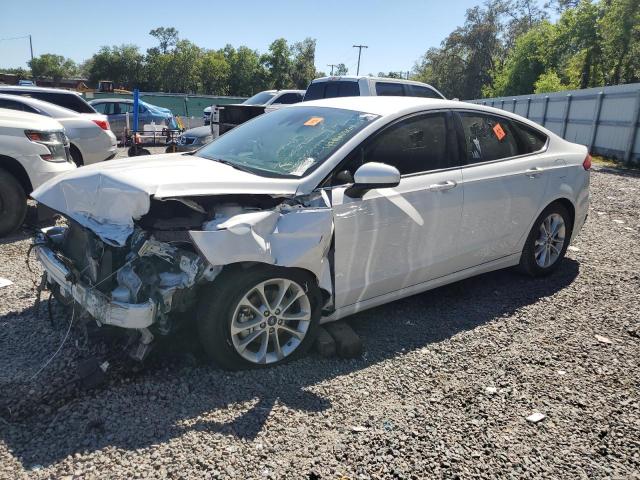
(504, 182)
(393, 238)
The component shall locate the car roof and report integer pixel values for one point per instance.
(14, 118)
(25, 88)
(125, 100)
(50, 108)
(395, 106)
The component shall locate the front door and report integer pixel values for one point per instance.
(393, 238)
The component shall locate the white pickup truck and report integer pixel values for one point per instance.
(33, 149)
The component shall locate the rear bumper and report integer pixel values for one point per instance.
(98, 305)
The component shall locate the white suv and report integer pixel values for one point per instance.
(363, 86)
(33, 149)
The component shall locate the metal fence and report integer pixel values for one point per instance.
(605, 119)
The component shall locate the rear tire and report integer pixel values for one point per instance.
(13, 203)
(547, 242)
(76, 156)
(227, 322)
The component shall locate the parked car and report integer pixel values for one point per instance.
(90, 138)
(309, 214)
(64, 98)
(116, 110)
(26, 83)
(362, 86)
(33, 149)
(267, 98)
(194, 138)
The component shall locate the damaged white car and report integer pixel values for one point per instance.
(307, 215)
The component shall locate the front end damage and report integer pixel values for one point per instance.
(161, 260)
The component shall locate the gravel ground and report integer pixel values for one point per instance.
(443, 390)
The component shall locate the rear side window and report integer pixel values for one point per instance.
(332, 89)
(532, 140)
(66, 100)
(420, 91)
(487, 137)
(384, 89)
(13, 105)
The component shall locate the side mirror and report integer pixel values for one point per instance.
(373, 175)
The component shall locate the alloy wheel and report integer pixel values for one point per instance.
(551, 237)
(270, 321)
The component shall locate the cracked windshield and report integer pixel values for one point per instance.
(306, 137)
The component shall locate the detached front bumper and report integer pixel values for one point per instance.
(98, 305)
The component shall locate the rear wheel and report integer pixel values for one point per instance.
(13, 203)
(547, 242)
(76, 156)
(259, 317)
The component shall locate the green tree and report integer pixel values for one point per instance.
(341, 69)
(214, 73)
(123, 64)
(53, 66)
(549, 82)
(167, 37)
(620, 32)
(247, 76)
(278, 64)
(183, 68)
(303, 68)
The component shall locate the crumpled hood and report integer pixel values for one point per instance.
(107, 197)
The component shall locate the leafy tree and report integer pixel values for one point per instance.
(54, 66)
(549, 82)
(620, 31)
(184, 67)
(341, 69)
(278, 63)
(167, 37)
(248, 75)
(303, 69)
(123, 64)
(214, 73)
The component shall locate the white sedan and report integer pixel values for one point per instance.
(90, 137)
(309, 214)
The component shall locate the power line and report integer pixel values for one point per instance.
(359, 47)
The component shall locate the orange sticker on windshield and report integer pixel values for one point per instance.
(497, 129)
(313, 121)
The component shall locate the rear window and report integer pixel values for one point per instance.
(420, 91)
(67, 100)
(332, 89)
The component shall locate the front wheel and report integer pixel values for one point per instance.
(547, 242)
(259, 317)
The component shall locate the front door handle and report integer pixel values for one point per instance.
(534, 172)
(441, 187)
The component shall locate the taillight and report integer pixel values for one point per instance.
(103, 124)
(587, 162)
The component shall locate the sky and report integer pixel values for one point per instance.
(397, 32)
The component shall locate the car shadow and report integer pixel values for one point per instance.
(177, 395)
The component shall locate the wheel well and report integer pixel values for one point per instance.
(566, 203)
(14, 167)
(75, 149)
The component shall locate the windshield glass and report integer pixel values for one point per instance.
(259, 98)
(289, 142)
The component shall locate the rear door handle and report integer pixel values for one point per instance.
(440, 187)
(534, 172)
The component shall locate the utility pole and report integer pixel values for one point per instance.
(359, 47)
(331, 65)
(31, 47)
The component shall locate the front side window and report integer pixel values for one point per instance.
(389, 89)
(532, 139)
(488, 137)
(289, 142)
(289, 98)
(417, 144)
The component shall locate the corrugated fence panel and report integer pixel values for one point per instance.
(606, 118)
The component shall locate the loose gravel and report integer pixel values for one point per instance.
(449, 385)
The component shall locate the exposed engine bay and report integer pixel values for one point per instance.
(178, 246)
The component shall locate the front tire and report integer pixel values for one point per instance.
(259, 317)
(547, 242)
(13, 203)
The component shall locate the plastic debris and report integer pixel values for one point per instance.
(536, 417)
(358, 428)
(491, 390)
(5, 282)
(618, 221)
(602, 339)
(573, 249)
